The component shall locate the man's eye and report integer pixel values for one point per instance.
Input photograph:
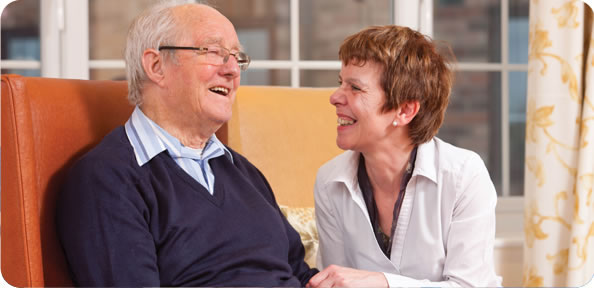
(339, 82)
(355, 88)
(213, 51)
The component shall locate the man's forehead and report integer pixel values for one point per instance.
(218, 41)
(205, 25)
(190, 10)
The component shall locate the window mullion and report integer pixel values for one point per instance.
(406, 13)
(294, 28)
(52, 24)
(505, 149)
(21, 64)
(426, 17)
(75, 40)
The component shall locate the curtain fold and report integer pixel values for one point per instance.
(559, 206)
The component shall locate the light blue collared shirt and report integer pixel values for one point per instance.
(148, 139)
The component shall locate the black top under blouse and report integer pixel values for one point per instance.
(383, 239)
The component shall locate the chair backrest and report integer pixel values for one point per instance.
(288, 133)
(47, 124)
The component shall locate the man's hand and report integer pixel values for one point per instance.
(338, 276)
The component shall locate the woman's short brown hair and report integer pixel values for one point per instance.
(413, 70)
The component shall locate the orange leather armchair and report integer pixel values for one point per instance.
(48, 123)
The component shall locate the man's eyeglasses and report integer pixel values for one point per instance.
(215, 55)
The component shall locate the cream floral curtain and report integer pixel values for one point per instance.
(559, 209)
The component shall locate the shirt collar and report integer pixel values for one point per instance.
(425, 165)
(346, 169)
(148, 139)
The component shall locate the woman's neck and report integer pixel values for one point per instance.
(386, 165)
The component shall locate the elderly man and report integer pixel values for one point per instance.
(162, 202)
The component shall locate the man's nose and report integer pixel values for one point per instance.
(231, 67)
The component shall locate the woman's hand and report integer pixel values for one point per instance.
(338, 276)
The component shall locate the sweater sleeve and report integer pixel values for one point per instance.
(102, 224)
(296, 250)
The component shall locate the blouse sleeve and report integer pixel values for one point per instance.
(331, 247)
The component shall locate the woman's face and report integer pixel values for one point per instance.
(358, 101)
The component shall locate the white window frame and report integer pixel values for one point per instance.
(64, 26)
(17, 64)
(401, 14)
(65, 54)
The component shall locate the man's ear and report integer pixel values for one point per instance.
(407, 112)
(152, 62)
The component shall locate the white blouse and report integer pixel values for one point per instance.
(445, 230)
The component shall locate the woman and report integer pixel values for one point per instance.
(400, 207)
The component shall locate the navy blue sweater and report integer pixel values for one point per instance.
(124, 225)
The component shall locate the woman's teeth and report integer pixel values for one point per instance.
(345, 122)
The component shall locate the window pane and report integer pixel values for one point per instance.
(108, 25)
(107, 74)
(518, 31)
(471, 27)
(266, 77)
(23, 72)
(473, 118)
(324, 24)
(262, 26)
(20, 31)
(319, 78)
(517, 131)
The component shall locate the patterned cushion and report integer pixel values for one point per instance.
(303, 220)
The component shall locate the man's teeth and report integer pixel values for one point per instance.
(345, 122)
(220, 90)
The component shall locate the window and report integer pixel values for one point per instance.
(487, 110)
(295, 43)
(20, 38)
(281, 56)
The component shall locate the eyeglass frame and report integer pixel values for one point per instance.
(243, 63)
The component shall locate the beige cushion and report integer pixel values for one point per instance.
(303, 220)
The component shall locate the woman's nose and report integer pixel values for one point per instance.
(337, 97)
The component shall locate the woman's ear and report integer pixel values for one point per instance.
(152, 62)
(407, 112)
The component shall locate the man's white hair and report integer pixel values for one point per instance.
(152, 28)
